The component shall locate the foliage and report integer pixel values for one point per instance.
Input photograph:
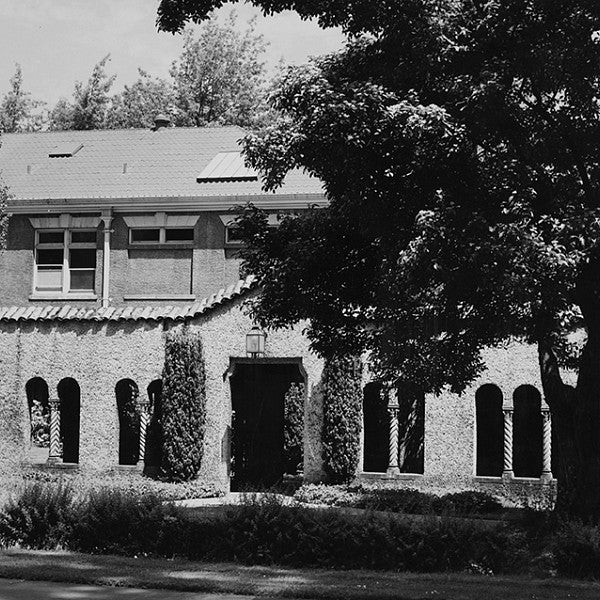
(138, 104)
(576, 550)
(266, 532)
(400, 500)
(38, 516)
(4, 197)
(90, 102)
(18, 111)
(342, 414)
(293, 428)
(183, 405)
(464, 197)
(40, 425)
(219, 77)
(124, 483)
(110, 521)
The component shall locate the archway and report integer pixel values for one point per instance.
(70, 397)
(127, 394)
(376, 426)
(489, 431)
(153, 454)
(37, 393)
(527, 432)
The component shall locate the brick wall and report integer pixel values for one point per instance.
(197, 269)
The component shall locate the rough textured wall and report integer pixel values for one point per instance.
(224, 338)
(98, 355)
(450, 431)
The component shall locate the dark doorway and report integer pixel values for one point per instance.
(527, 432)
(489, 430)
(376, 429)
(127, 394)
(258, 390)
(69, 395)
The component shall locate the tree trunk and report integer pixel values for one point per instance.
(576, 412)
(561, 400)
(585, 501)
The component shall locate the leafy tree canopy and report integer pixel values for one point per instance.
(458, 142)
(18, 111)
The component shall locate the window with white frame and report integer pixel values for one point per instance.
(65, 261)
(161, 235)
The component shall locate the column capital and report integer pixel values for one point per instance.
(54, 403)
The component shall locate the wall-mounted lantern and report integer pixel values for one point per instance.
(255, 342)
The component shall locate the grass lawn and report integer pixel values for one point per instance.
(282, 582)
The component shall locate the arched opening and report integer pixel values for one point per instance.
(489, 431)
(39, 418)
(411, 428)
(376, 425)
(153, 453)
(127, 394)
(527, 432)
(70, 397)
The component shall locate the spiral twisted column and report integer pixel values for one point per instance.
(144, 419)
(393, 407)
(546, 447)
(55, 451)
(507, 472)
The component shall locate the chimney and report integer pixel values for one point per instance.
(161, 120)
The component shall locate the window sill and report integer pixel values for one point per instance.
(158, 246)
(41, 296)
(160, 297)
(52, 466)
(373, 475)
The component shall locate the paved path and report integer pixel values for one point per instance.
(12, 589)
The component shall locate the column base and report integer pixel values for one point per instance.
(546, 477)
(508, 476)
(52, 460)
(392, 471)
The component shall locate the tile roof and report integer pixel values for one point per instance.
(129, 163)
(129, 313)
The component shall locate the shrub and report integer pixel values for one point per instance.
(342, 417)
(129, 482)
(183, 406)
(399, 500)
(38, 516)
(576, 549)
(113, 521)
(293, 428)
(467, 503)
(267, 532)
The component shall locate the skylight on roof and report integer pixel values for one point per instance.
(227, 166)
(65, 150)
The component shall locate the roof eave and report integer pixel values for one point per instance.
(166, 203)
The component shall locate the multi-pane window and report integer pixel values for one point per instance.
(161, 235)
(65, 261)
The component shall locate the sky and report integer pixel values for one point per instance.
(57, 42)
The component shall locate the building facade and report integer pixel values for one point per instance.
(117, 237)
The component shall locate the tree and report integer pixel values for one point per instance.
(183, 406)
(18, 109)
(138, 104)
(465, 194)
(219, 77)
(4, 197)
(90, 102)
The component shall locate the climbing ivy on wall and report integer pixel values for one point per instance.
(293, 428)
(183, 406)
(342, 417)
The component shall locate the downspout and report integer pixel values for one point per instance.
(107, 219)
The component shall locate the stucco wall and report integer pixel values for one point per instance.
(98, 355)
